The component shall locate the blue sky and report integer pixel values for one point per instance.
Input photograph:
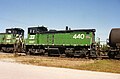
(101, 15)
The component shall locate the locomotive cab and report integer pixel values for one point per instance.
(35, 30)
(15, 31)
(32, 42)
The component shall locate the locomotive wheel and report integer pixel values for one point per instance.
(67, 55)
(82, 56)
(28, 53)
(111, 55)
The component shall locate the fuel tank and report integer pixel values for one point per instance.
(114, 37)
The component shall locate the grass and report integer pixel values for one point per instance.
(54, 61)
(73, 63)
(103, 66)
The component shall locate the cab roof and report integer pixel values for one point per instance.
(15, 29)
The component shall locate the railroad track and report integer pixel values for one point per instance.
(60, 57)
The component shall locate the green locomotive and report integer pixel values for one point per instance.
(65, 42)
(8, 39)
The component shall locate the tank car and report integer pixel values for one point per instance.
(114, 43)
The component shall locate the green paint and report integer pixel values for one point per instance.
(66, 39)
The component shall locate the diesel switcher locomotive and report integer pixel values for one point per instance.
(80, 42)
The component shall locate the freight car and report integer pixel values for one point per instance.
(79, 43)
(8, 39)
(114, 43)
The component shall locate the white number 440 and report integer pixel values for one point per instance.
(78, 36)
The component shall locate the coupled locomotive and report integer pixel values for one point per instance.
(8, 39)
